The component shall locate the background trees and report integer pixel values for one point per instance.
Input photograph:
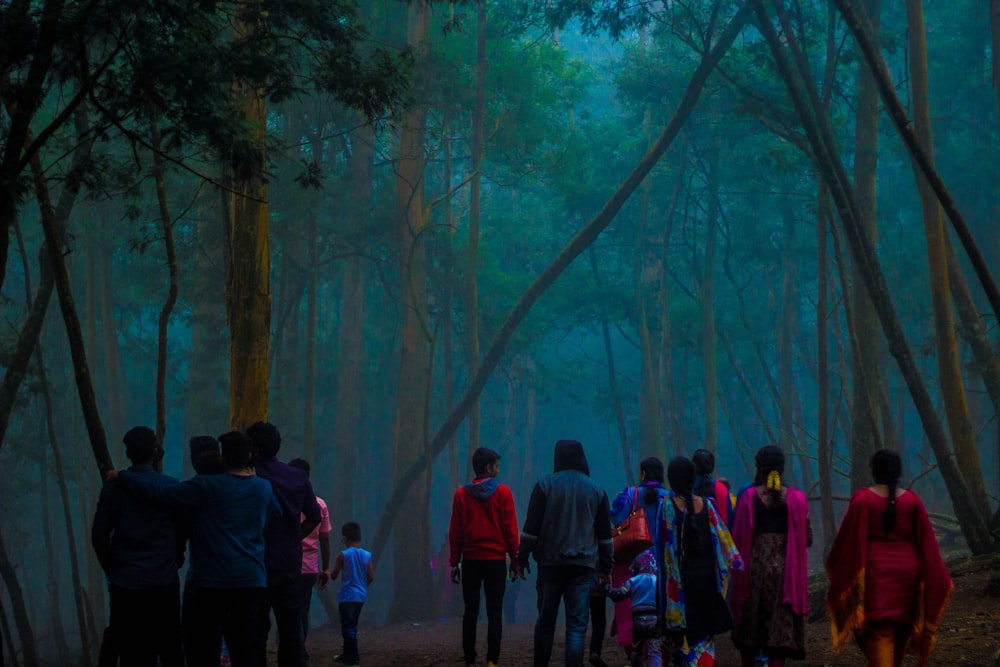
(426, 179)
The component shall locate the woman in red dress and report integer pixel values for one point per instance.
(888, 583)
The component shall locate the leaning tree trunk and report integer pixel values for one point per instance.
(580, 242)
(949, 368)
(867, 359)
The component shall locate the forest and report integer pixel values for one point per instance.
(403, 230)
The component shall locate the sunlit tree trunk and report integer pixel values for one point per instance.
(471, 300)
(949, 368)
(866, 363)
(248, 290)
(350, 381)
(708, 335)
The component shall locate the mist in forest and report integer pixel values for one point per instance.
(495, 223)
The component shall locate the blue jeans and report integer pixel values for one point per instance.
(349, 614)
(571, 584)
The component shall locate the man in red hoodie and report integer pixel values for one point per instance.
(482, 534)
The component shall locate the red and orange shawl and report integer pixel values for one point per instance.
(845, 568)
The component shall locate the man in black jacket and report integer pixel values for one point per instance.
(568, 529)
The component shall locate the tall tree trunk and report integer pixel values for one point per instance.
(708, 334)
(800, 87)
(248, 286)
(580, 242)
(309, 408)
(949, 368)
(995, 48)
(823, 436)
(412, 585)
(350, 334)
(167, 224)
(866, 363)
(646, 281)
(448, 312)
(115, 399)
(616, 403)
(472, 250)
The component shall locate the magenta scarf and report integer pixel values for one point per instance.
(795, 585)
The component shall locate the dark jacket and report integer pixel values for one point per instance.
(568, 520)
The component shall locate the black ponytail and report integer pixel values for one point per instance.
(887, 468)
(653, 468)
(681, 475)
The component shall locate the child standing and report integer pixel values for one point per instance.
(359, 571)
(641, 587)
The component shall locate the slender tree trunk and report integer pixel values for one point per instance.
(949, 368)
(866, 365)
(350, 335)
(708, 334)
(52, 580)
(309, 409)
(248, 285)
(580, 242)
(168, 305)
(448, 312)
(646, 281)
(472, 249)
(115, 398)
(616, 404)
(19, 609)
(6, 637)
(823, 437)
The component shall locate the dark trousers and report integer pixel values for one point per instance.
(146, 625)
(233, 612)
(306, 584)
(491, 577)
(598, 622)
(555, 585)
(350, 612)
(284, 599)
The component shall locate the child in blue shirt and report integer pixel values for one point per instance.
(641, 588)
(359, 571)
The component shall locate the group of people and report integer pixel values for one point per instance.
(257, 542)
(718, 562)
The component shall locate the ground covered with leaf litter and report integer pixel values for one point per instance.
(969, 634)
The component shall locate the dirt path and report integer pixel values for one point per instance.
(970, 635)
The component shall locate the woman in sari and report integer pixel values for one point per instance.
(886, 537)
(772, 532)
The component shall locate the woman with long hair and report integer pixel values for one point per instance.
(772, 532)
(707, 486)
(698, 555)
(886, 537)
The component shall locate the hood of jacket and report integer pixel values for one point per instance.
(482, 488)
(569, 456)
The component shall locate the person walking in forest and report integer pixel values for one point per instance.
(359, 572)
(228, 513)
(315, 560)
(283, 543)
(483, 534)
(137, 544)
(772, 532)
(886, 537)
(648, 494)
(568, 531)
(708, 487)
(640, 591)
(699, 557)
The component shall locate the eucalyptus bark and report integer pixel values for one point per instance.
(248, 290)
(580, 242)
(949, 368)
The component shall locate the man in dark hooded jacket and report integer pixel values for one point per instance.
(568, 529)
(482, 534)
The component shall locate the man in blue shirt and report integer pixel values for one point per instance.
(283, 542)
(136, 543)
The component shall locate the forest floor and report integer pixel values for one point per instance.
(969, 635)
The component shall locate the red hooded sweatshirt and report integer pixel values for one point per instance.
(483, 522)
